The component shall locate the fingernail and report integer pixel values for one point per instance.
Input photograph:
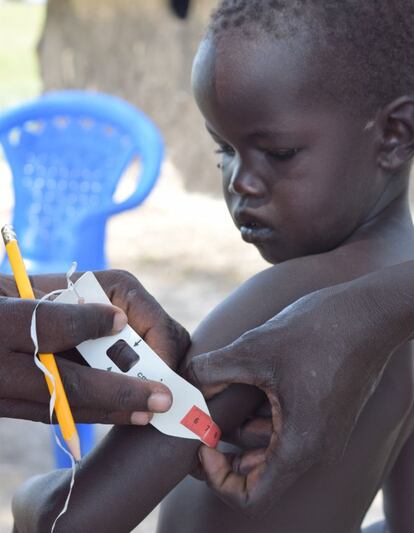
(120, 321)
(140, 418)
(159, 402)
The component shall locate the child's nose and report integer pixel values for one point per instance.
(246, 184)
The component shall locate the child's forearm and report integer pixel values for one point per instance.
(144, 477)
(129, 473)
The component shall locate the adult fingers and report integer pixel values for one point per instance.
(86, 387)
(112, 392)
(255, 433)
(8, 287)
(168, 339)
(21, 379)
(59, 326)
(118, 418)
(248, 461)
(23, 409)
(233, 488)
(253, 482)
(145, 315)
(264, 410)
(39, 412)
(63, 326)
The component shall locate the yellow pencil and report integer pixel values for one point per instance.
(62, 408)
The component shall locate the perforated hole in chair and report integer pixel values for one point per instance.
(14, 136)
(87, 123)
(109, 130)
(35, 127)
(61, 122)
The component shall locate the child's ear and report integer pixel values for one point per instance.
(397, 146)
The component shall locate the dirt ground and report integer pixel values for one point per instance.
(185, 251)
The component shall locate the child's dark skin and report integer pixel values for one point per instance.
(320, 181)
(302, 175)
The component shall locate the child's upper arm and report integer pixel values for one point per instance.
(266, 294)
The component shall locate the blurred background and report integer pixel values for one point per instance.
(180, 242)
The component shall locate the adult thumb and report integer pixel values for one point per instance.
(62, 326)
(70, 324)
(214, 371)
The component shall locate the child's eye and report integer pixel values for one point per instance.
(283, 155)
(224, 149)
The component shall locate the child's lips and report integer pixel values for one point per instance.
(255, 233)
(252, 229)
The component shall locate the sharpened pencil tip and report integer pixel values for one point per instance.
(74, 447)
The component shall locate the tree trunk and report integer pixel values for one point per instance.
(140, 51)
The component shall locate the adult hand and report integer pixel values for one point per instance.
(94, 395)
(318, 362)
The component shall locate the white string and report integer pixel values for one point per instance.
(41, 366)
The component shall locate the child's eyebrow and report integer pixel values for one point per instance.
(258, 134)
(266, 133)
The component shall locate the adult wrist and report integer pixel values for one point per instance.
(389, 295)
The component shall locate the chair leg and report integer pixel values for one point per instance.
(87, 440)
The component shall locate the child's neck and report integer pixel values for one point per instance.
(395, 216)
(392, 227)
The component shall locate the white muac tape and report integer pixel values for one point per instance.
(188, 416)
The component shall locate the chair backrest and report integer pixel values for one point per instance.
(67, 151)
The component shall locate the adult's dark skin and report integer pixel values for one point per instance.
(318, 404)
(95, 396)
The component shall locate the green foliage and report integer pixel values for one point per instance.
(20, 28)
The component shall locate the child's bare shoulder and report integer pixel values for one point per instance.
(265, 294)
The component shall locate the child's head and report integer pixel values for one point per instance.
(302, 97)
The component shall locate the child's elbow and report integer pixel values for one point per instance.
(34, 505)
(26, 516)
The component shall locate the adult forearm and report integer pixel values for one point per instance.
(388, 298)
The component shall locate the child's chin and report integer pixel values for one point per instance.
(270, 256)
(275, 255)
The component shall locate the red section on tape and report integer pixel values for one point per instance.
(202, 425)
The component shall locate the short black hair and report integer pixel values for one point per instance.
(372, 40)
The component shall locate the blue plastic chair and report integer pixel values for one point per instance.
(67, 151)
